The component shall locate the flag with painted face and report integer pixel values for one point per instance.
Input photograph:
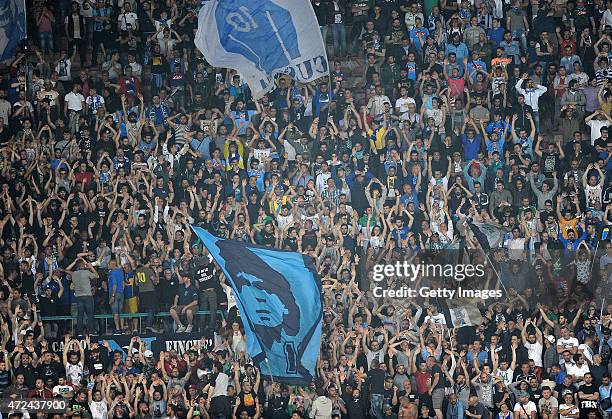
(13, 27)
(278, 294)
(261, 39)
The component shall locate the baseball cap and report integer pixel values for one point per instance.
(550, 338)
(148, 354)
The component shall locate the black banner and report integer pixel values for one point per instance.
(179, 342)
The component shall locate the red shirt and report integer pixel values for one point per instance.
(40, 394)
(422, 381)
(83, 177)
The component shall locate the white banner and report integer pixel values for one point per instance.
(262, 38)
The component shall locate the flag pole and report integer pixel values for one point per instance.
(269, 369)
(496, 273)
(594, 256)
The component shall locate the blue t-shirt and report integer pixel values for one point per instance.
(470, 148)
(242, 119)
(187, 295)
(495, 146)
(259, 176)
(414, 37)
(115, 279)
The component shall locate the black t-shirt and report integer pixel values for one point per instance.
(158, 64)
(535, 395)
(247, 403)
(586, 406)
(266, 239)
(388, 396)
(48, 305)
(47, 371)
(376, 380)
(442, 379)
(356, 408)
(412, 396)
(205, 274)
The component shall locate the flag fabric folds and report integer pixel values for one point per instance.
(462, 314)
(13, 27)
(488, 235)
(278, 294)
(262, 38)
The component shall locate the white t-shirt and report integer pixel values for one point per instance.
(61, 390)
(74, 372)
(535, 352)
(567, 343)
(127, 18)
(576, 371)
(592, 194)
(607, 18)
(77, 27)
(99, 410)
(136, 69)
(524, 411)
(436, 318)
(402, 104)
(587, 352)
(567, 406)
(596, 126)
(74, 101)
(506, 376)
(86, 9)
(516, 248)
(221, 385)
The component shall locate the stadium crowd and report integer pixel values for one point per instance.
(116, 135)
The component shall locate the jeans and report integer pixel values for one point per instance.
(339, 36)
(98, 38)
(73, 119)
(324, 33)
(207, 300)
(117, 305)
(355, 34)
(81, 46)
(45, 39)
(85, 307)
(158, 80)
(376, 402)
(519, 34)
(536, 120)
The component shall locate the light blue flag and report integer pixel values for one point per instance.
(279, 297)
(12, 27)
(262, 38)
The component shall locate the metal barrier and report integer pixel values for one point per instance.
(107, 316)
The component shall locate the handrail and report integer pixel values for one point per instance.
(125, 315)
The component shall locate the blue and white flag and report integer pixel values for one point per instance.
(278, 294)
(13, 27)
(262, 38)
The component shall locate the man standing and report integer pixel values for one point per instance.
(147, 280)
(115, 291)
(81, 279)
(206, 277)
(532, 92)
(376, 385)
